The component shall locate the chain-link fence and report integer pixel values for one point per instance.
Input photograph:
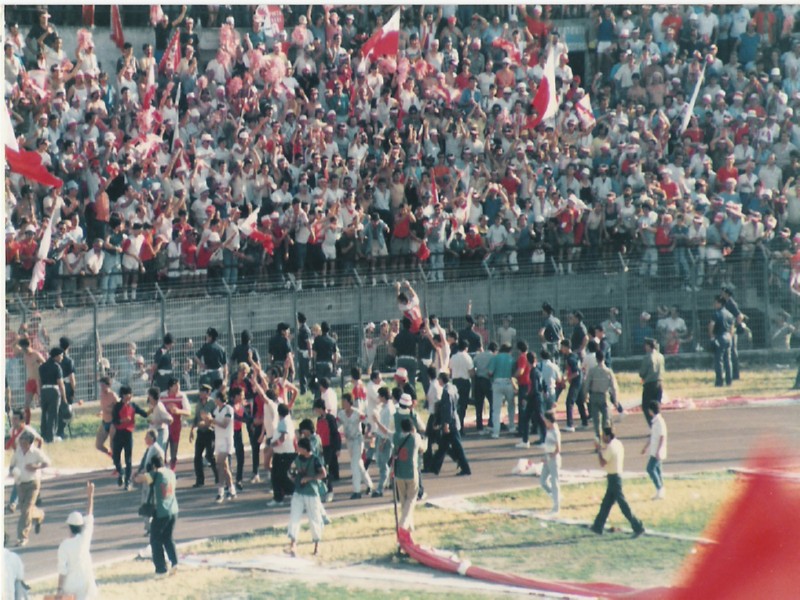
(628, 296)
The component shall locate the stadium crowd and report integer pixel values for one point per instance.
(290, 158)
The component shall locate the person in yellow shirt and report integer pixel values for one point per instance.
(612, 456)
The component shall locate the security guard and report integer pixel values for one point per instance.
(600, 385)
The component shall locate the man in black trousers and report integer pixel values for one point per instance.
(447, 419)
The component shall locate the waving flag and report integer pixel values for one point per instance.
(116, 27)
(583, 108)
(687, 116)
(39, 269)
(271, 19)
(172, 55)
(156, 14)
(383, 42)
(21, 161)
(545, 102)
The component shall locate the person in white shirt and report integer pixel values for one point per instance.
(656, 448)
(552, 461)
(13, 575)
(26, 466)
(462, 370)
(75, 569)
(222, 420)
(382, 418)
(350, 418)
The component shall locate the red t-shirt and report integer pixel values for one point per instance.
(238, 411)
(126, 418)
(323, 432)
(523, 370)
(189, 252)
(203, 257)
(566, 220)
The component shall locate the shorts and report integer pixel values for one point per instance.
(329, 252)
(32, 386)
(377, 249)
(401, 246)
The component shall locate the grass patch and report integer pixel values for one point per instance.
(505, 543)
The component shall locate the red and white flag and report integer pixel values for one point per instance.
(24, 162)
(116, 27)
(271, 19)
(248, 226)
(40, 268)
(583, 108)
(545, 102)
(156, 14)
(383, 42)
(434, 189)
(172, 55)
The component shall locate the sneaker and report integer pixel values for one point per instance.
(512, 430)
(638, 532)
(485, 432)
(58, 438)
(660, 494)
(463, 473)
(119, 481)
(239, 487)
(230, 497)
(173, 570)
(495, 436)
(273, 503)
(369, 491)
(522, 445)
(198, 485)
(377, 494)
(355, 496)
(161, 575)
(329, 497)
(596, 530)
(128, 486)
(256, 478)
(12, 507)
(21, 543)
(422, 497)
(220, 499)
(569, 429)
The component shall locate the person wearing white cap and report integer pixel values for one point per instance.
(75, 569)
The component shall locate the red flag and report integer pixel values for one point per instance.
(172, 55)
(545, 101)
(29, 164)
(156, 14)
(87, 14)
(383, 42)
(510, 49)
(423, 253)
(116, 27)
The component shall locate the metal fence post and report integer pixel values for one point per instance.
(628, 321)
(767, 299)
(97, 349)
(162, 300)
(424, 280)
(489, 306)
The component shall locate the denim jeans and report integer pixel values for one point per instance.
(654, 470)
(722, 359)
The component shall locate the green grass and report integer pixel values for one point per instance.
(519, 545)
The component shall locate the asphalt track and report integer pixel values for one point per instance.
(698, 440)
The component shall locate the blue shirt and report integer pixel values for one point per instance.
(501, 366)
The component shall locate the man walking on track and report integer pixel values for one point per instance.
(177, 404)
(612, 456)
(408, 446)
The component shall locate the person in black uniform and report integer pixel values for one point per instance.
(405, 349)
(52, 392)
(68, 372)
(739, 327)
(469, 335)
(719, 330)
(162, 363)
(304, 352)
(447, 420)
(245, 352)
(212, 360)
(324, 352)
(280, 351)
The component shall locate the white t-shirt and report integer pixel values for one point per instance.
(657, 429)
(223, 429)
(331, 401)
(13, 571)
(75, 563)
(285, 425)
(460, 365)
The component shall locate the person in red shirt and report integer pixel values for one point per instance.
(401, 236)
(729, 171)
(522, 372)
(124, 418)
(536, 26)
(177, 404)
(408, 303)
(331, 440)
(239, 418)
(567, 217)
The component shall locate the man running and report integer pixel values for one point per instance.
(32, 359)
